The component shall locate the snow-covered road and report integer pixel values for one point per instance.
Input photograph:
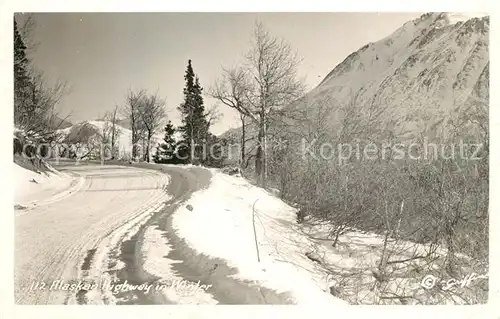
(129, 226)
(53, 239)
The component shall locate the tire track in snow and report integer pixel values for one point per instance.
(102, 246)
(77, 184)
(194, 266)
(104, 258)
(51, 242)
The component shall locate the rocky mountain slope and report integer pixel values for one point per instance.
(422, 79)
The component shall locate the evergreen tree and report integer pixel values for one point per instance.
(194, 126)
(166, 151)
(20, 59)
(21, 77)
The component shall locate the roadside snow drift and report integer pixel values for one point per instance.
(220, 225)
(32, 187)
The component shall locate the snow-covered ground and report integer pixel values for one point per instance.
(80, 237)
(34, 188)
(220, 225)
(415, 272)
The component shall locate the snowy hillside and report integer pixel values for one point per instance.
(88, 132)
(423, 75)
(417, 80)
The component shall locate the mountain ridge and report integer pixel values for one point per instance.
(435, 66)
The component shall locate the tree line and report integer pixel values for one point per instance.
(35, 98)
(258, 90)
(147, 115)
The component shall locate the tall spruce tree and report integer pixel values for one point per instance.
(20, 59)
(21, 78)
(194, 126)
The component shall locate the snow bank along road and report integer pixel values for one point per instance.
(95, 236)
(54, 241)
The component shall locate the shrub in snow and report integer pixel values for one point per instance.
(232, 170)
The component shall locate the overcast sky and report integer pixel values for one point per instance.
(101, 55)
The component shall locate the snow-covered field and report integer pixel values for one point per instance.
(220, 225)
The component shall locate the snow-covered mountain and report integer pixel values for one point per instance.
(91, 132)
(418, 80)
(422, 75)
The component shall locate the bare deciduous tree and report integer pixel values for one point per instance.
(152, 114)
(112, 118)
(273, 72)
(267, 82)
(243, 140)
(40, 116)
(213, 115)
(232, 90)
(131, 111)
